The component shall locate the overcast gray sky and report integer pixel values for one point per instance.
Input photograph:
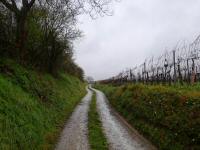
(138, 29)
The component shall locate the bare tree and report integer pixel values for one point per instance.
(21, 9)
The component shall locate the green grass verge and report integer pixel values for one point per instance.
(34, 106)
(167, 116)
(97, 138)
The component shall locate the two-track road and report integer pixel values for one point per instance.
(119, 134)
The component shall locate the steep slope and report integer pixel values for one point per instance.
(34, 106)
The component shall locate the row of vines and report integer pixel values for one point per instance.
(180, 65)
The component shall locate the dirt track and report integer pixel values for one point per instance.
(75, 133)
(120, 135)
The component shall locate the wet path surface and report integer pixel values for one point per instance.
(75, 133)
(119, 135)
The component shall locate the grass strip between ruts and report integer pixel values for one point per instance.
(97, 138)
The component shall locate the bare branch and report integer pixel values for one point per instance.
(11, 7)
(30, 4)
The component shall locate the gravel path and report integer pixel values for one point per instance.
(120, 135)
(75, 133)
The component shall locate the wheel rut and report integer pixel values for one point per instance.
(120, 135)
(75, 133)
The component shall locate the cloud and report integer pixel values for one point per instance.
(137, 30)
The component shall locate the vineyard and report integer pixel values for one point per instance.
(180, 65)
(167, 115)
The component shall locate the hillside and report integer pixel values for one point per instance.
(34, 106)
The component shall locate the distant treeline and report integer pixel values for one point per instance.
(40, 33)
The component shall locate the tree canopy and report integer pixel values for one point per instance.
(40, 33)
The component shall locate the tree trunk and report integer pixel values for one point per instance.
(21, 36)
(193, 72)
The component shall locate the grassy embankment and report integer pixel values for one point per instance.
(97, 138)
(34, 106)
(167, 116)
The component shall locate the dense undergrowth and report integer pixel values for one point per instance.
(97, 138)
(167, 116)
(34, 106)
